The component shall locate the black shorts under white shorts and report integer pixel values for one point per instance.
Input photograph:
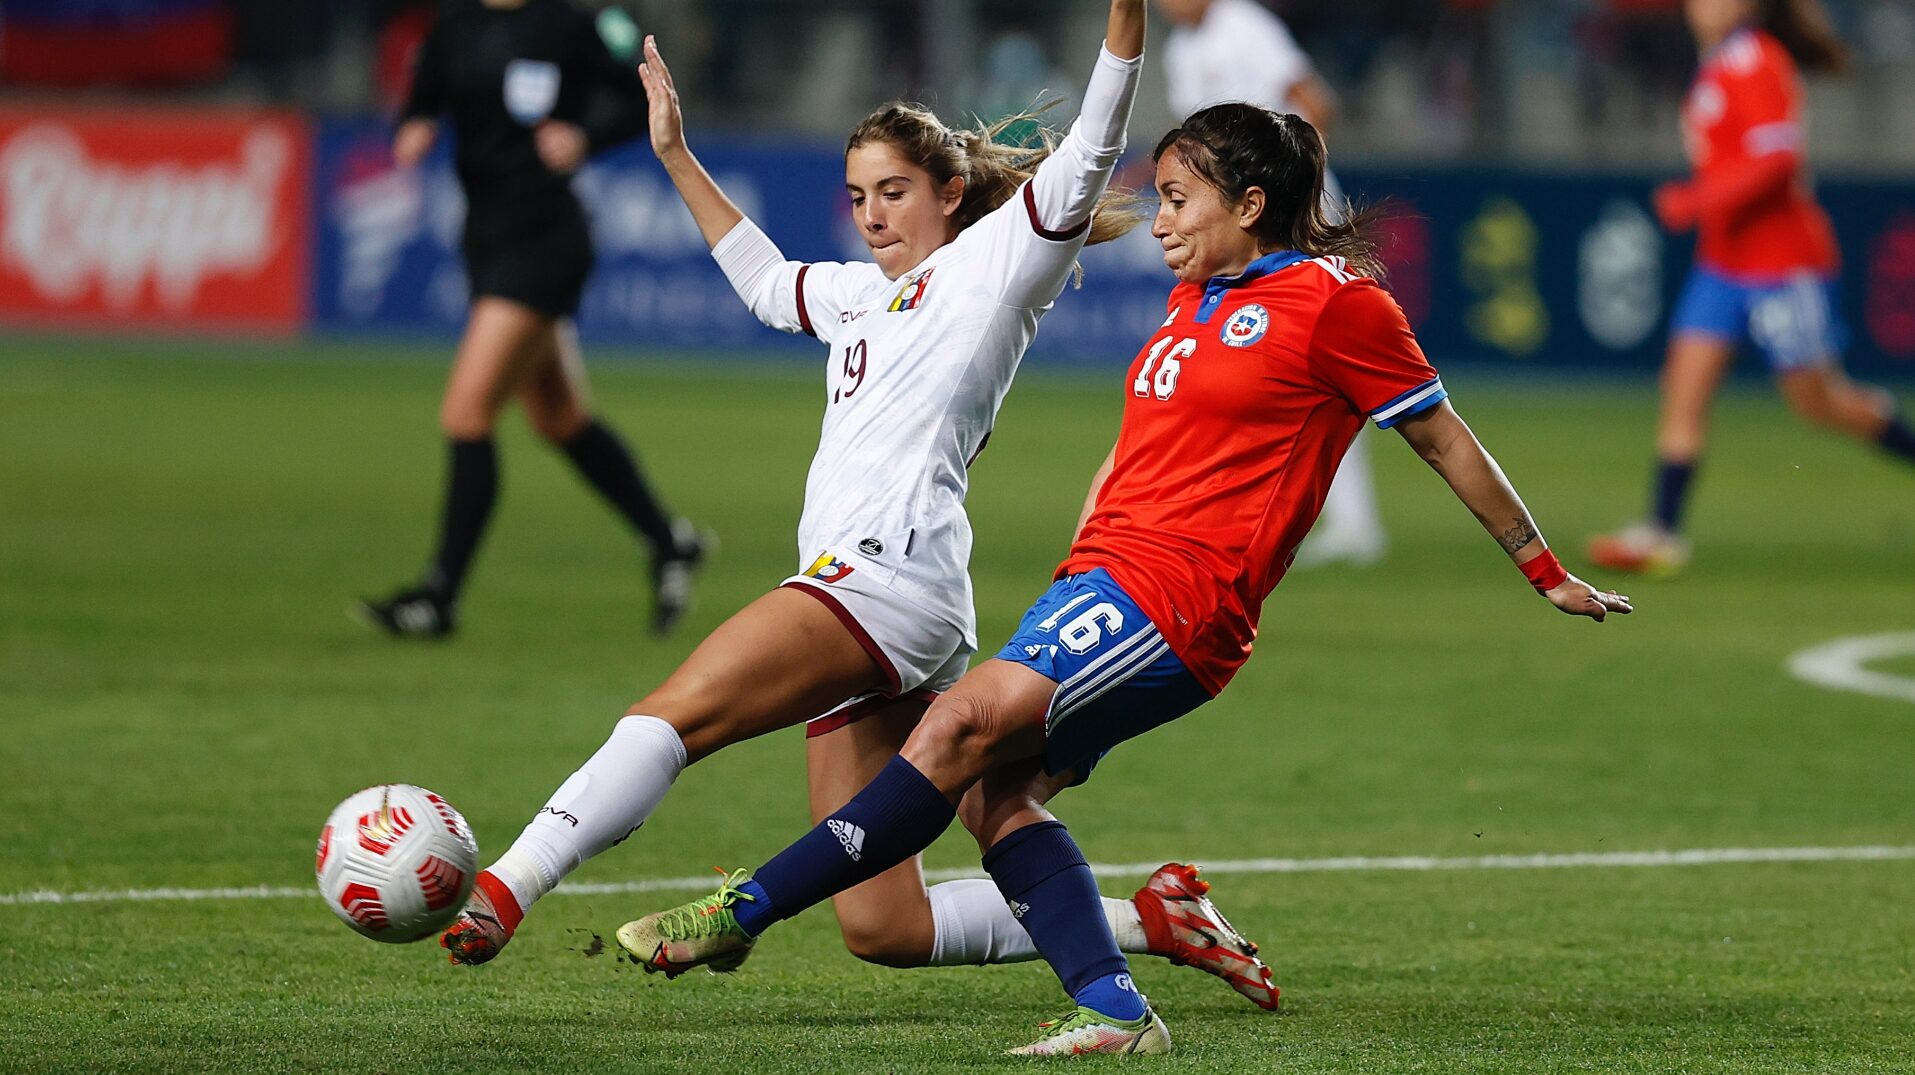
(544, 268)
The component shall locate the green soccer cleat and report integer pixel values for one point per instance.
(702, 933)
(1086, 1031)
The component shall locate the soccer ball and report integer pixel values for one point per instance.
(396, 862)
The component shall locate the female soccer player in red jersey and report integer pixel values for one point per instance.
(1277, 342)
(1765, 259)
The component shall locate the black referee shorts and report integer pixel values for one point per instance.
(543, 268)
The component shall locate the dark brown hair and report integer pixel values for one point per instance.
(1234, 147)
(1804, 29)
(992, 170)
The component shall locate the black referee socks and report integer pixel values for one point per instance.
(604, 461)
(472, 487)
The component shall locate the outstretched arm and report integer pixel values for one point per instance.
(773, 287)
(714, 212)
(1124, 29)
(1046, 225)
(1447, 445)
(1068, 185)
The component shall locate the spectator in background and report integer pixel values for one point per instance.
(1223, 51)
(531, 88)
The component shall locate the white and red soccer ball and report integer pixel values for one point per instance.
(396, 862)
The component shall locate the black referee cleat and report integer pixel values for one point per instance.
(415, 612)
(672, 574)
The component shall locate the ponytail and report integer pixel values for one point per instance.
(992, 169)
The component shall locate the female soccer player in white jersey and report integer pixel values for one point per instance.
(970, 249)
(1222, 51)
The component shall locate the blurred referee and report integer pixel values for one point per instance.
(531, 88)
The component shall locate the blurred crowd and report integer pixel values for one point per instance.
(1574, 81)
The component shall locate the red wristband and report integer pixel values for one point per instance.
(1544, 572)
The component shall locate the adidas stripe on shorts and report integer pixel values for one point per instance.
(1116, 675)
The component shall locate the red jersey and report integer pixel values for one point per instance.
(1746, 107)
(1239, 410)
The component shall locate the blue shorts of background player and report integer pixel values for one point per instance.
(1791, 319)
(1116, 675)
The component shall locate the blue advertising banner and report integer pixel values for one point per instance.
(1544, 269)
(1507, 267)
(387, 239)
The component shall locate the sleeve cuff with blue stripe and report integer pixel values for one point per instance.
(1414, 402)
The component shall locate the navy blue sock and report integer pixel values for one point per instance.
(1052, 893)
(896, 816)
(1672, 493)
(1898, 439)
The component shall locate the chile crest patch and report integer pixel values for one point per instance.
(1246, 326)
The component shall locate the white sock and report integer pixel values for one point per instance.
(604, 802)
(974, 926)
(1128, 926)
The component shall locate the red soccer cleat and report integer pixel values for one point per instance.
(491, 915)
(1183, 926)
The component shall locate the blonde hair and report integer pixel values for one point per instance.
(992, 170)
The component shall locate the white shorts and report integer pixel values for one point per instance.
(922, 655)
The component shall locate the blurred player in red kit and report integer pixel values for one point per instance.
(1766, 260)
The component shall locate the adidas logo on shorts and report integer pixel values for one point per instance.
(851, 836)
(1018, 910)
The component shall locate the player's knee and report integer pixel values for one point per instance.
(465, 419)
(1813, 405)
(962, 724)
(557, 425)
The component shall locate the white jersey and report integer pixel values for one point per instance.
(1241, 51)
(919, 365)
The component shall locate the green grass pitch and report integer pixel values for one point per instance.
(182, 699)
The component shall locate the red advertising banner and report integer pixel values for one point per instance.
(154, 218)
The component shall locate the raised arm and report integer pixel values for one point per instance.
(1440, 436)
(1124, 29)
(773, 287)
(1046, 230)
(714, 212)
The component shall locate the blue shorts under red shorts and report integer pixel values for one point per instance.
(1116, 675)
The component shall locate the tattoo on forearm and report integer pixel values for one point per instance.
(1517, 536)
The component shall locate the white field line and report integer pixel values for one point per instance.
(1838, 665)
(1706, 856)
